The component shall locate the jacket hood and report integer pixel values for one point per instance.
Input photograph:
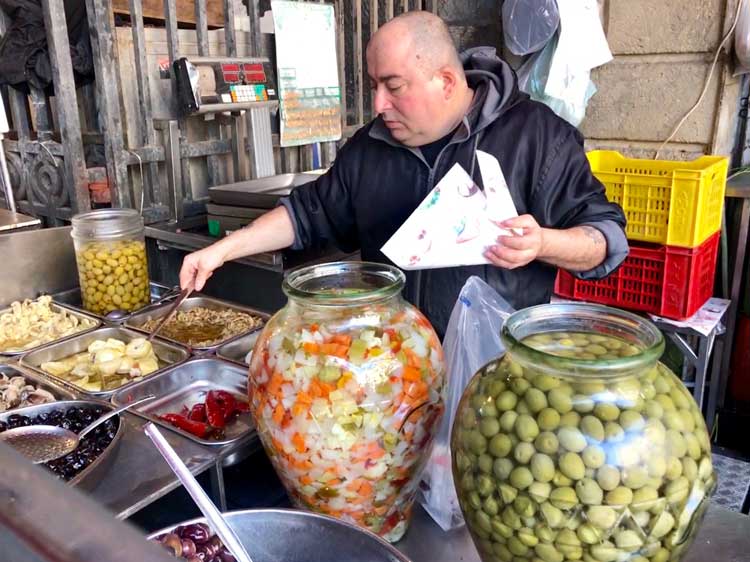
(494, 80)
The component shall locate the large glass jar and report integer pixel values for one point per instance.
(346, 386)
(111, 256)
(578, 445)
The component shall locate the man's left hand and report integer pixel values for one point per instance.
(517, 250)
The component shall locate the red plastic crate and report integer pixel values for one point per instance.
(666, 280)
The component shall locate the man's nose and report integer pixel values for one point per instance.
(381, 101)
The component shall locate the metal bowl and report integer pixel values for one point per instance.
(272, 535)
(89, 477)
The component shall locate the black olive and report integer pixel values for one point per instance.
(3, 426)
(199, 533)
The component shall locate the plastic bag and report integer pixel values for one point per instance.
(529, 24)
(472, 339)
(532, 79)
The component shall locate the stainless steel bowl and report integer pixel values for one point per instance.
(89, 477)
(273, 535)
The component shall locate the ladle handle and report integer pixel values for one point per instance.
(96, 423)
(213, 515)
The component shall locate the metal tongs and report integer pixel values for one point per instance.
(185, 293)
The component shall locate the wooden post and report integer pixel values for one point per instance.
(358, 97)
(108, 100)
(41, 113)
(389, 10)
(201, 27)
(159, 193)
(341, 48)
(74, 164)
(229, 31)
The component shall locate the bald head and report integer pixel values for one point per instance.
(419, 86)
(427, 36)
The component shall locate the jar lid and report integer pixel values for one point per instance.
(642, 334)
(106, 223)
(344, 283)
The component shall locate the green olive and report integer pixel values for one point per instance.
(602, 516)
(548, 419)
(521, 477)
(500, 445)
(593, 456)
(606, 411)
(547, 442)
(563, 498)
(560, 400)
(502, 469)
(542, 467)
(583, 404)
(523, 452)
(507, 493)
(535, 399)
(508, 421)
(571, 439)
(540, 491)
(589, 492)
(507, 400)
(526, 428)
(489, 427)
(572, 466)
(628, 540)
(592, 427)
(620, 496)
(553, 516)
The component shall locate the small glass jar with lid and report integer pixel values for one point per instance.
(110, 253)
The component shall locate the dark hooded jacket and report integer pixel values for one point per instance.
(376, 183)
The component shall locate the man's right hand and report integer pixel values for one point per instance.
(199, 266)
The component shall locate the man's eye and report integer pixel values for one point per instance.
(395, 89)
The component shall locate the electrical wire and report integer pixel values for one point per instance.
(726, 38)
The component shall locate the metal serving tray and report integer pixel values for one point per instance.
(57, 307)
(88, 478)
(185, 385)
(261, 193)
(137, 320)
(236, 350)
(31, 377)
(167, 353)
(159, 294)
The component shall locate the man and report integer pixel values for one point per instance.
(434, 110)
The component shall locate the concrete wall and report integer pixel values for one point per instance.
(663, 51)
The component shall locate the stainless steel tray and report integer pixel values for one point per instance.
(137, 320)
(57, 307)
(60, 393)
(167, 353)
(185, 385)
(236, 350)
(270, 535)
(89, 476)
(262, 193)
(72, 299)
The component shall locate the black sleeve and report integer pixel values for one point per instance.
(322, 210)
(567, 194)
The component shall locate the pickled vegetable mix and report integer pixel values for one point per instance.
(346, 400)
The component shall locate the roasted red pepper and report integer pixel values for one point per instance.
(215, 410)
(198, 413)
(226, 401)
(199, 429)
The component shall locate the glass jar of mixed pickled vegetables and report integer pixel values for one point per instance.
(111, 256)
(579, 445)
(346, 387)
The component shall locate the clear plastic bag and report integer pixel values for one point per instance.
(529, 24)
(471, 340)
(532, 79)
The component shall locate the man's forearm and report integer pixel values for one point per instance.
(576, 249)
(272, 231)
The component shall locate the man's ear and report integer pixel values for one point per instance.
(450, 81)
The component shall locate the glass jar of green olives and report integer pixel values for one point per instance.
(579, 445)
(111, 256)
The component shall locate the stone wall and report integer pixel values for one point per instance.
(663, 51)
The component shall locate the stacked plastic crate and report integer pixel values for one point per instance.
(674, 220)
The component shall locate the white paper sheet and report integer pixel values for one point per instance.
(456, 222)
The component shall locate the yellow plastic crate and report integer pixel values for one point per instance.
(674, 203)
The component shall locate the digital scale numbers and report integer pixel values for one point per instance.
(246, 82)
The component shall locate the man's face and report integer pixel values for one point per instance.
(411, 103)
